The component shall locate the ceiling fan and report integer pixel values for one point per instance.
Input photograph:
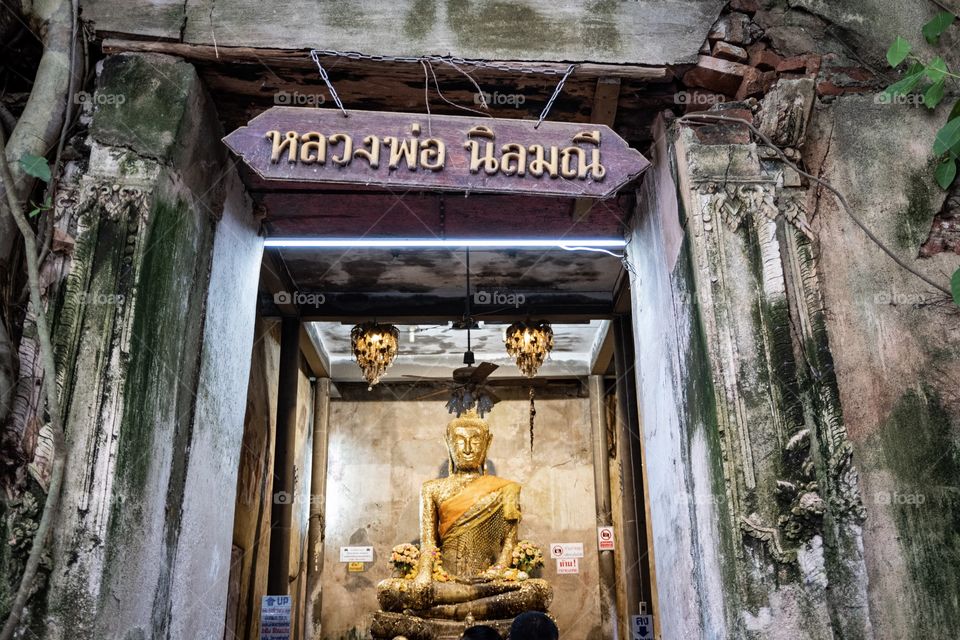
(468, 388)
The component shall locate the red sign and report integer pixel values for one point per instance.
(605, 538)
(443, 153)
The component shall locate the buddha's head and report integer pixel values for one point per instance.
(468, 438)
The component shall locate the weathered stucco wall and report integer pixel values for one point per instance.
(639, 32)
(896, 344)
(381, 452)
(690, 531)
(155, 363)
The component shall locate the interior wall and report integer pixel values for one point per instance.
(255, 495)
(251, 527)
(381, 452)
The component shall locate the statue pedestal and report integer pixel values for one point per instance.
(388, 625)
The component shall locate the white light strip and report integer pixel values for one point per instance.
(401, 243)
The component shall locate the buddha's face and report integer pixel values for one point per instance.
(468, 447)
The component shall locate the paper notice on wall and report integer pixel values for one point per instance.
(566, 550)
(568, 566)
(641, 627)
(605, 538)
(275, 618)
(356, 554)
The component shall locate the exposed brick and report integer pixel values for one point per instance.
(700, 100)
(729, 51)
(764, 59)
(795, 63)
(834, 81)
(755, 83)
(714, 74)
(734, 28)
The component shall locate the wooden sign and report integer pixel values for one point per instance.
(444, 153)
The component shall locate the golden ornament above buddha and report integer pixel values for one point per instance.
(467, 568)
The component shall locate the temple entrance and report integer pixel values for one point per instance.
(343, 462)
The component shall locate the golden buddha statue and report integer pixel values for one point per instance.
(468, 531)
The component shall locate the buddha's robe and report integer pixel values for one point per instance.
(473, 524)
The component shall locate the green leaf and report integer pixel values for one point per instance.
(898, 51)
(935, 28)
(955, 287)
(947, 137)
(934, 94)
(936, 70)
(955, 112)
(33, 214)
(946, 172)
(35, 166)
(904, 85)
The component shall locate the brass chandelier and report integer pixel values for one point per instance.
(529, 343)
(375, 348)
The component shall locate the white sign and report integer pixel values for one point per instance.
(566, 550)
(275, 618)
(568, 565)
(605, 538)
(642, 627)
(356, 554)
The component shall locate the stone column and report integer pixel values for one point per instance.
(153, 337)
(790, 485)
(601, 475)
(318, 489)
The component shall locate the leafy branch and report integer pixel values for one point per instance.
(929, 79)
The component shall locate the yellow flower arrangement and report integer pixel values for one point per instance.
(526, 557)
(404, 559)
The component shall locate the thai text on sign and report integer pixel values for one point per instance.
(497, 155)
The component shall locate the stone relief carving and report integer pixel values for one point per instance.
(116, 199)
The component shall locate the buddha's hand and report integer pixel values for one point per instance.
(495, 572)
(421, 592)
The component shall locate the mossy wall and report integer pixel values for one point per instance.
(160, 229)
(896, 351)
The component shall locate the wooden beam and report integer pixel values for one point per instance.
(316, 362)
(604, 354)
(336, 215)
(293, 58)
(429, 308)
(275, 280)
(604, 112)
(281, 514)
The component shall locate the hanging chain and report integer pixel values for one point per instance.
(453, 61)
(323, 74)
(533, 414)
(556, 92)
